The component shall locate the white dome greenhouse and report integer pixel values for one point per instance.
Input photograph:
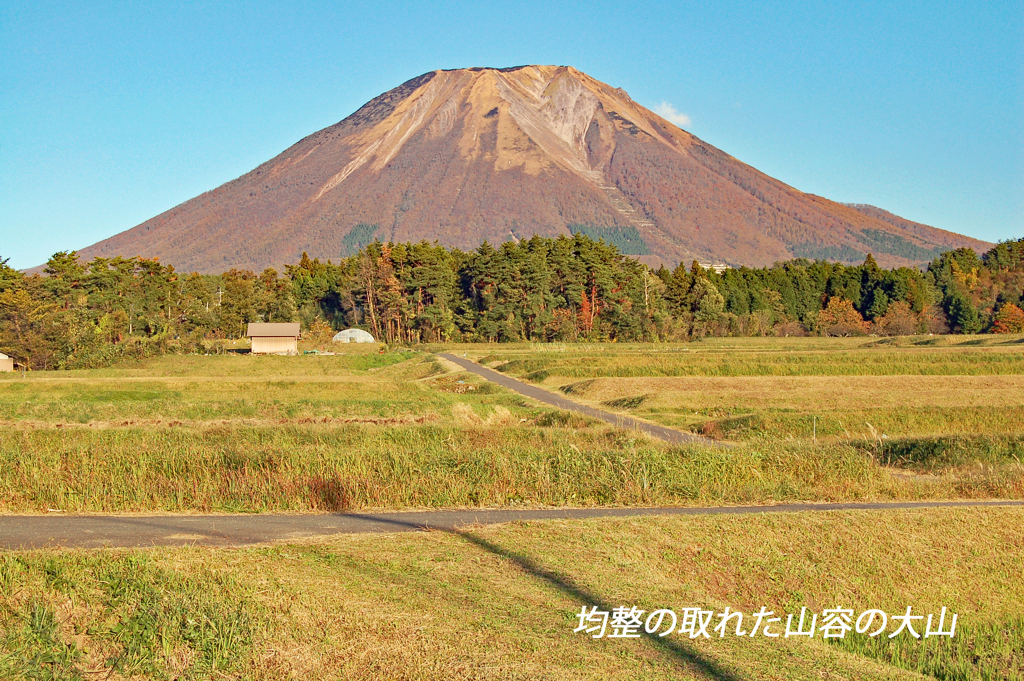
(353, 336)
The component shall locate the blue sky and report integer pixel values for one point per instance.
(113, 112)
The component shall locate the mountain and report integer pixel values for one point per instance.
(466, 155)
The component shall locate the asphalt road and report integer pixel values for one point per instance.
(30, 532)
(541, 395)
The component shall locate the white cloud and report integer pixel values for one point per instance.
(669, 113)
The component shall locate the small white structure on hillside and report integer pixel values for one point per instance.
(353, 336)
(6, 363)
(274, 339)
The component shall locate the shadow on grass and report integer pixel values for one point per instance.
(684, 654)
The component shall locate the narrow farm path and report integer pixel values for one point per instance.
(541, 395)
(50, 531)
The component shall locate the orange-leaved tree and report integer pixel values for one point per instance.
(840, 318)
(1009, 319)
(898, 320)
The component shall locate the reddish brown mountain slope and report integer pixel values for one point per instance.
(473, 154)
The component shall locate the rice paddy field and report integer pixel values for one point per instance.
(793, 419)
(922, 404)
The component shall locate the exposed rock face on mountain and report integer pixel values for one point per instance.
(472, 154)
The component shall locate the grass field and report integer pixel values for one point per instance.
(500, 602)
(805, 419)
(400, 430)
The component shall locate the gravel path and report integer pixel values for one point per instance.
(541, 395)
(29, 532)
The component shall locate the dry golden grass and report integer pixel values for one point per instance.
(364, 430)
(807, 393)
(499, 602)
(940, 355)
(838, 408)
(333, 468)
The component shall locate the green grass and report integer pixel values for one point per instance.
(842, 425)
(140, 619)
(990, 651)
(218, 388)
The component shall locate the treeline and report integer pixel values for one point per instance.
(564, 289)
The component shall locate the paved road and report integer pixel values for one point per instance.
(541, 395)
(28, 532)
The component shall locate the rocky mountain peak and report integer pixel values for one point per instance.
(466, 155)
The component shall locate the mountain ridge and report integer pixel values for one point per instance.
(466, 155)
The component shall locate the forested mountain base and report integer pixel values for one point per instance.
(563, 289)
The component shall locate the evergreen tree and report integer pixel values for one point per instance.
(568, 288)
(9, 277)
(961, 313)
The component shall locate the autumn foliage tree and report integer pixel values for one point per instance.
(839, 318)
(899, 320)
(1010, 319)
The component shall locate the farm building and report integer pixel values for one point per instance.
(353, 336)
(274, 339)
(6, 363)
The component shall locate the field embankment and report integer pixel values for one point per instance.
(501, 602)
(339, 468)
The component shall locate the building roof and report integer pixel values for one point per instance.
(3, 356)
(288, 330)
